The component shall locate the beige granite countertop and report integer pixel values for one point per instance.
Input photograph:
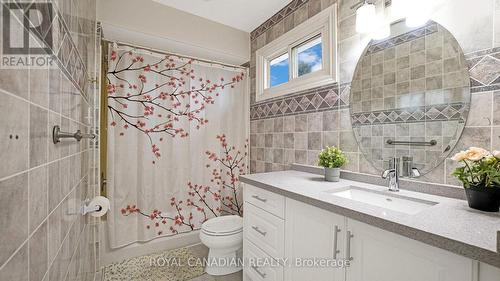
(450, 224)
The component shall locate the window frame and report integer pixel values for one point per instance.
(323, 24)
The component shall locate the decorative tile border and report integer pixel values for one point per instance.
(276, 18)
(64, 50)
(329, 97)
(484, 69)
(441, 112)
(403, 38)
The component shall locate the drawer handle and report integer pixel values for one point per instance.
(263, 233)
(256, 269)
(336, 231)
(263, 200)
(348, 246)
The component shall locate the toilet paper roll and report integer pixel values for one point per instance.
(101, 202)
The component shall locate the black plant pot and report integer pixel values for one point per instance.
(483, 198)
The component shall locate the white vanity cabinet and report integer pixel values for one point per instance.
(312, 234)
(374, 254)
(285, 229)
(379, 255)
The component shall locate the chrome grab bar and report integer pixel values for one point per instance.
(57, 135)
(417, 143)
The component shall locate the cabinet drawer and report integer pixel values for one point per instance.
(253, 257)
(268, 201)
(264, 230)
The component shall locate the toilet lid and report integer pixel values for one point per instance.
(223, 225)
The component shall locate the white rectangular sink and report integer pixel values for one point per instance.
(383, 199)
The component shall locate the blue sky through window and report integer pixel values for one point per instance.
(309, 57)
(279, 70)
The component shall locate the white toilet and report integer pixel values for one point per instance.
(224, 238)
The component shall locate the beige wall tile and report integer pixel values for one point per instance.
(17, 267)
(480, 113)
(38, 253)
(15, 141)
(30, 125)
(301, 14)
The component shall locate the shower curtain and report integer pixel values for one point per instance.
(177, 142)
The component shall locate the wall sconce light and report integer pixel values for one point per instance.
(365, 16)
(369, 21)
(416, 13)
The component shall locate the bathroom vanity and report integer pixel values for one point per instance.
(295, 216)
(409, 100)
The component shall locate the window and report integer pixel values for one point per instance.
(302, 58)
(309, 56)
(278, 70)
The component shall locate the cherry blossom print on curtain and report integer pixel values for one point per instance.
(177, 142)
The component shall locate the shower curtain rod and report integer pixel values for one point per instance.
(173, 54)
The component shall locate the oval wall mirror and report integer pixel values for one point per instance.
(410, 98)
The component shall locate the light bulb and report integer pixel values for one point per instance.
(365, 18)
(418, 13)
(416, 20)
(400, 9)
(382, 29)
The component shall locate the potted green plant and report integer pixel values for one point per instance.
(480, 175)
(332, 158)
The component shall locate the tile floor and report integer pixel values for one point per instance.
(200, 251)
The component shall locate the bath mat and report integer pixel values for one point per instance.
(173, 265)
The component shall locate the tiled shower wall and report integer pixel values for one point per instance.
(40, 237)
(293, 128)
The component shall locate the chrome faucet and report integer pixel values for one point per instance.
(407, 170)
(393, 174)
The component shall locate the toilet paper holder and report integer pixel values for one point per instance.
(87, 209)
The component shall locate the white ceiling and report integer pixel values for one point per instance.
(245, 15)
